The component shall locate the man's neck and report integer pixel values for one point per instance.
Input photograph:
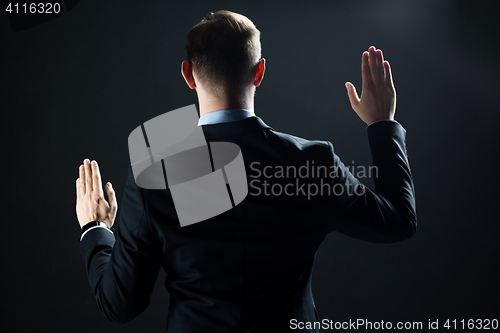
(208, 104)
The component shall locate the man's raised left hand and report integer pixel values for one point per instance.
(90, 202)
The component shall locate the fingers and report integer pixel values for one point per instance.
(375, 69)
(365, 70)
(352, 94)
(373, 65)
(96, 178)
(380, 65)
(89, 178)
(88, 175)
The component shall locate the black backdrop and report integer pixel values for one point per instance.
(76, 86)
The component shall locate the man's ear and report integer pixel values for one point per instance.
(259, 74)
(187, 73)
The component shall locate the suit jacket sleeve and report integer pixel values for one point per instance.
(388, 213)
(122, 271)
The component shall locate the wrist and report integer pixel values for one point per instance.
(95, 223)
(381, 120)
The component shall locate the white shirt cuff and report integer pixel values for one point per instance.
(94, 228)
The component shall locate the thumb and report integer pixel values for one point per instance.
(111, 197)
(352, 94)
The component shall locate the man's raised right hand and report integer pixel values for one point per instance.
(378, 96)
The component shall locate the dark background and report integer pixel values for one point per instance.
(76, 86)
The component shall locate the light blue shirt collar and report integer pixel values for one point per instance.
(224, 116)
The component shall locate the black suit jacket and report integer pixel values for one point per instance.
(249, 269)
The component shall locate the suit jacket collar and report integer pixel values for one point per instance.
(248, 125)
